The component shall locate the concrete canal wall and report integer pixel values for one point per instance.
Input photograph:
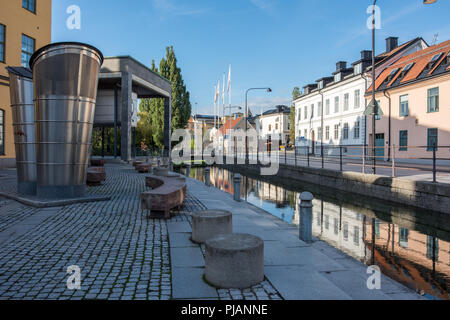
(426, 195)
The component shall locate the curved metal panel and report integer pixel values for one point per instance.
(66, 78)
(21, 93)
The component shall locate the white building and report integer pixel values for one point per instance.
(334, 106)
(274, 123)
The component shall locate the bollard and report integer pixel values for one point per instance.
(188, 170)
(171, 166)
(207, 176)
(237, 187)
(306, 216)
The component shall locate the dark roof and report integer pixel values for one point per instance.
(205, 117)
(278, 109)
(21, 71)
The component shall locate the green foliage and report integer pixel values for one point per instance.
(295, 95)
(151, 124)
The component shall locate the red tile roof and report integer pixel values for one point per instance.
(234, 122)
(420, 60)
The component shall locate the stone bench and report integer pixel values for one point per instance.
(210, 223)
(167, 193)
(95, 176)
(98, 162)
(143, 168)
(234, 261)
(161, 171)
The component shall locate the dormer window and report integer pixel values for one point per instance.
(448, 58)
(406, 69)
(433, 60)
(392, 75)
(320, 85)
(337, 77)
(357, 69)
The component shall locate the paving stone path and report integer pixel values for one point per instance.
(121, 253)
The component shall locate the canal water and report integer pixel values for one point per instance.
(409, 245)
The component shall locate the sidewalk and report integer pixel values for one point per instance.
(295, 269)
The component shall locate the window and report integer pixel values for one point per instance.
(306, 113)
(327, 221)
(320, 133)
(404, 105)
(2, 132)
(433, 100)
(327, 132)
(336, 105)
(346, 101)
(299, 114)
(337, 77)
(357, 99)
(312, 111)
(336, 226)
(356, 131)
(28, 46)
(319, 109)
(30, 5)
(305, 134)
(2, 42)
(270, 127)
(356, 235)
(345, 134)
(403, 140)
(336, 131)
(345, 231)
(403, 237)
(357, 69)
(432, 138)
(327, 107)
(276, 126)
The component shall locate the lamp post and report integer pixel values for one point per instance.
(374, 104)
(269, 90)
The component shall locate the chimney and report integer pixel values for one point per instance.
(341, 65)
(366, 55)
(391, 43)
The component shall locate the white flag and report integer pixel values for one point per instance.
(216, 95)
(223, 89)
(229, 79)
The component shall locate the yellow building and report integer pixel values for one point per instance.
(25, 25)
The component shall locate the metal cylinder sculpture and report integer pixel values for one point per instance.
(21, 93)
(65, 90)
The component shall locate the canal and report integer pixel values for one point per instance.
(409, 245)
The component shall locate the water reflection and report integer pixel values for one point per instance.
(411, 246)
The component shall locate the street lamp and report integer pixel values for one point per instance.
(374, 103)
(269, 90)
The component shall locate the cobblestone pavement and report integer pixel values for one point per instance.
(121, 253)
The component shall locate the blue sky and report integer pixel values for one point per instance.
(276, 43)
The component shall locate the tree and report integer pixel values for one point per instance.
(295, 95)
(152, 110)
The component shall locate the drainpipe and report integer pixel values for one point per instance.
(365, 117)
(387, 95)
(321, 124)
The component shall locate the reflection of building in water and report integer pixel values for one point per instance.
(416, 259)
(340, 227)
(266, 191)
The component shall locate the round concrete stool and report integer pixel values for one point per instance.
(234, 261)
(209, 224)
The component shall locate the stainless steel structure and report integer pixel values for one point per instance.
(65, 90)
(21, 93)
